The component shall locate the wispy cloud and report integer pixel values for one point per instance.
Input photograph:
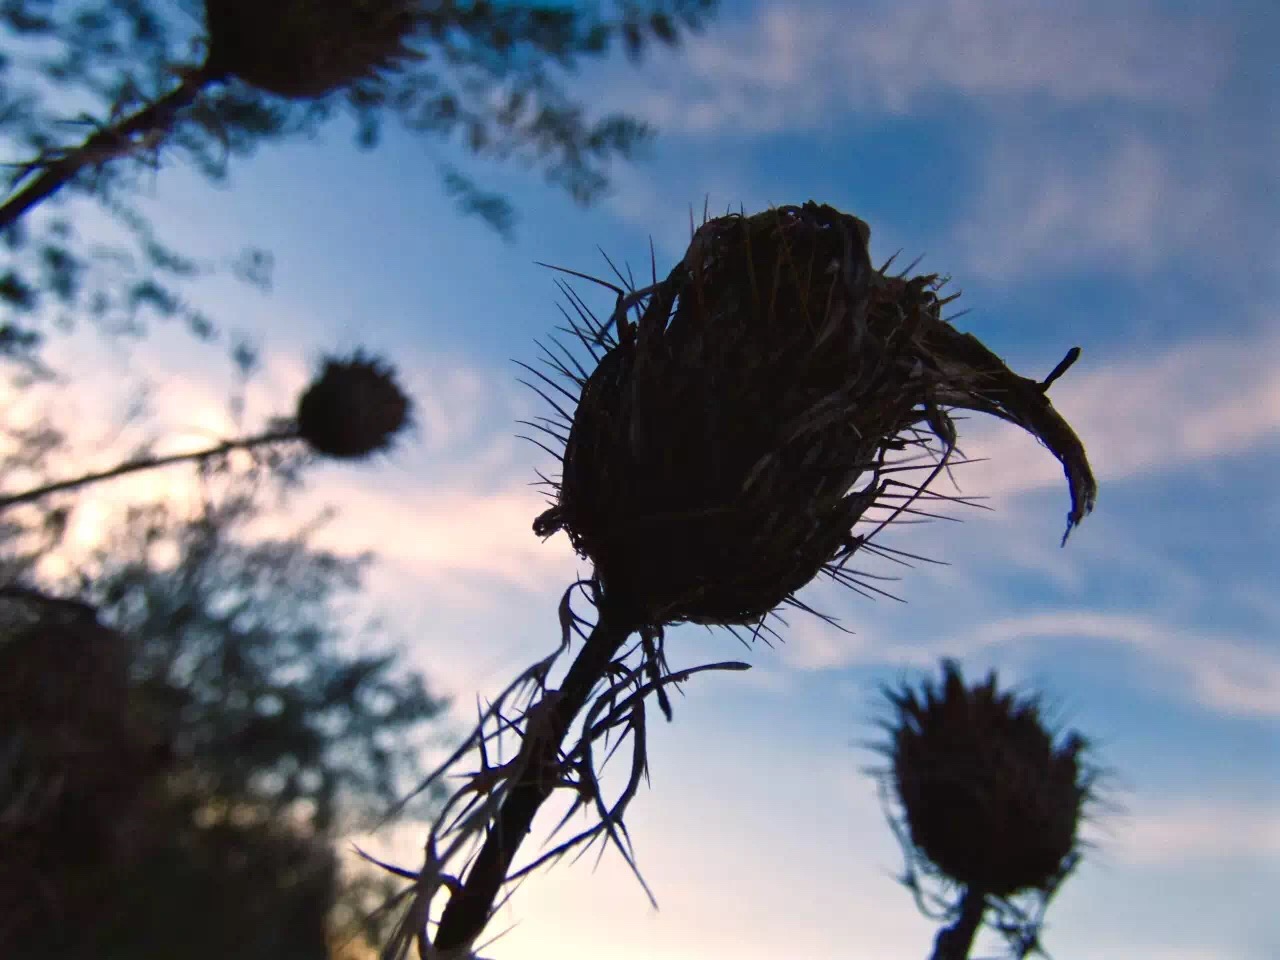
(1049, 203)
(1220, 831)
(1049, 195)
(441, 533)
(1223, 672)
(789, 67)
(1241, 676)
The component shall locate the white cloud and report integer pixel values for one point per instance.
(436, 532)
(811, 644)
(1047, 197)
(1086, 51)
(1226, 673)
(1046, 203)
(1196, 832)
(788, 68)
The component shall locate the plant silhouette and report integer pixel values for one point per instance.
(742, 435)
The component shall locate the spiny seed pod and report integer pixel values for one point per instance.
(305, 49)
(987, 795)
(353, 409)
(725, 446)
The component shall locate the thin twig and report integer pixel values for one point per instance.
(148, 463)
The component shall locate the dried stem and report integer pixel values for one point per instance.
(955, 942)
(500, 799)
(105, 144)
(469, 909)
(148, 463)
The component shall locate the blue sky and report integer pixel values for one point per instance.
(1100, 174)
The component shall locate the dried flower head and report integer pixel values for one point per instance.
(725, 446)
(989, 796)
(353, 409)
(305, 49)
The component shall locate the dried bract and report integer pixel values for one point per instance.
(353, 409)
(725, 446)
(305, 49)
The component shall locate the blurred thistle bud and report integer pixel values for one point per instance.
(988, 796)
(305, 49)
(727, 443)
(353, 409)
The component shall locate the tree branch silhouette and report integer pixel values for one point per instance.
(147, 463)
(105, 144)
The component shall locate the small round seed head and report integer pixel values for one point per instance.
(989, 796)
(724, 447)
(305, 49)
(353, 409)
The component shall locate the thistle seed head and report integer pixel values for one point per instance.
(353, 409)
(305, 49)
(989, 795)
(725, 446)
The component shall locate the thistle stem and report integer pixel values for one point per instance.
(148, 463)
(955, 942)
(105, 144)
(467, 912)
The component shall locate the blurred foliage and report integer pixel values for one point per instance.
(491, 84)
(492, 78)
(51, 276)
(268, 735)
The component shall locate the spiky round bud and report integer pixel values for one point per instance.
(725, 446)
(989, 795)
(305, 49)
(353, 409)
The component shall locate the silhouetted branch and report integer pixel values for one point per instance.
(105, 144)
(148, 463)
